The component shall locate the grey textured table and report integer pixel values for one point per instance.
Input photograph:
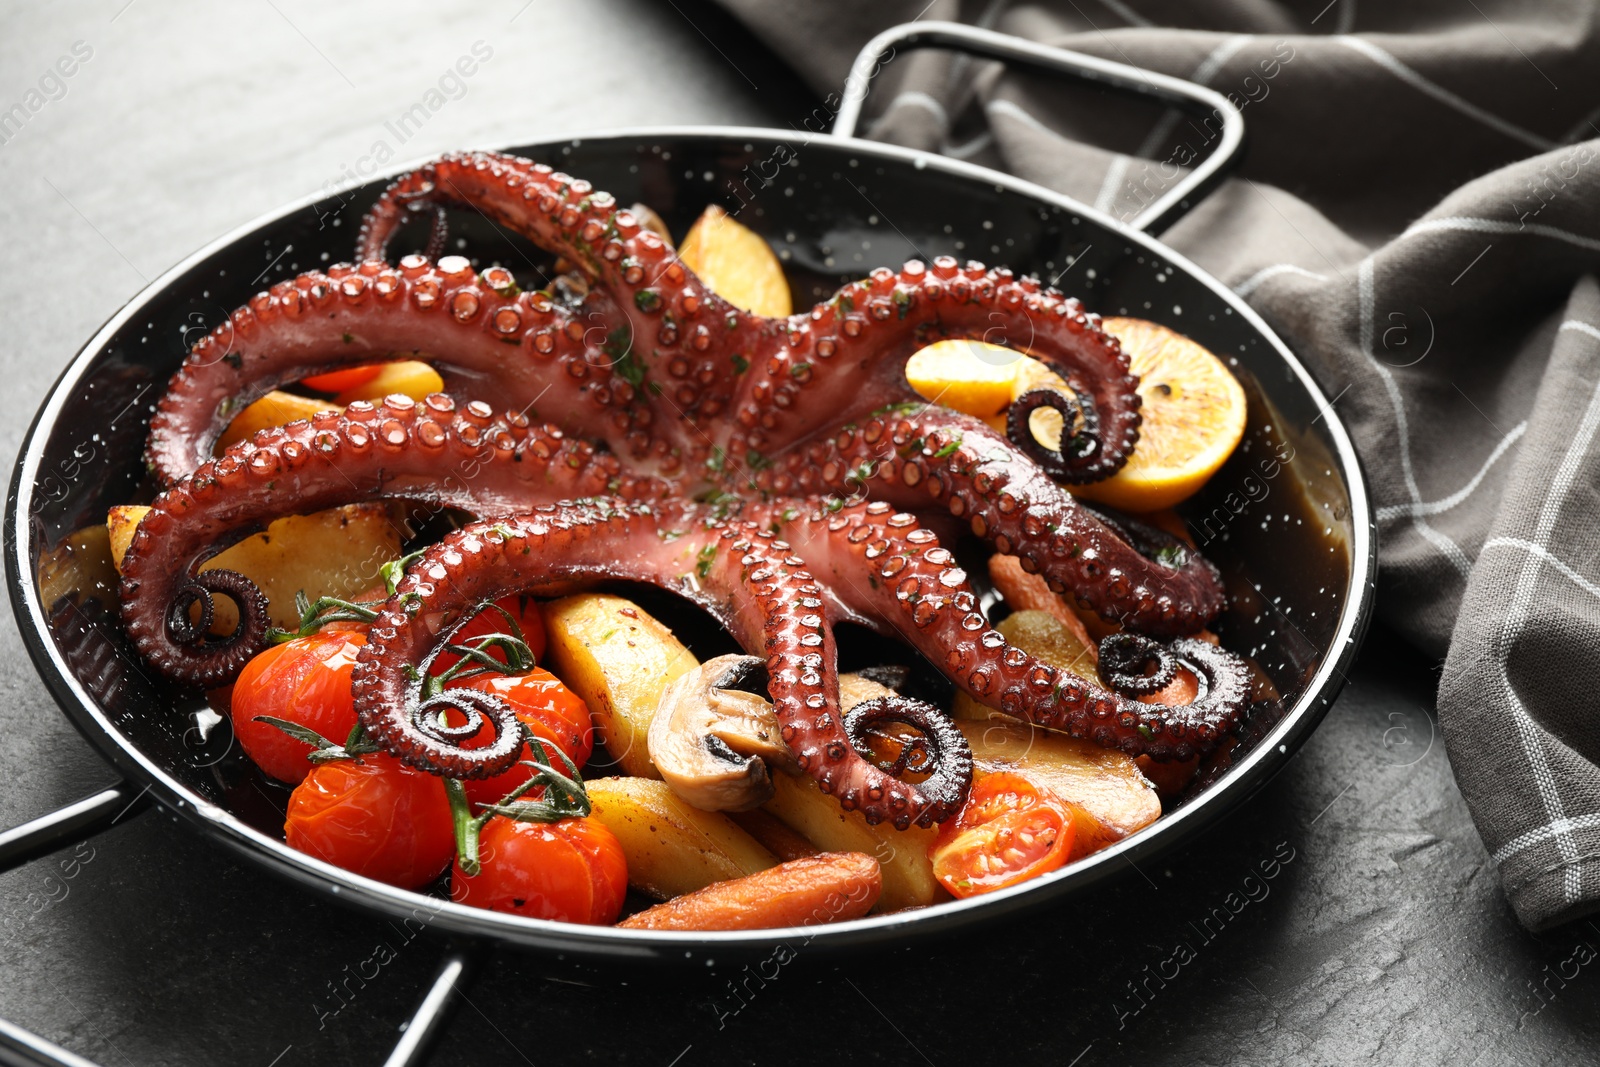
(1381, 937)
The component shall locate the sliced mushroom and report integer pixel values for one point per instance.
(715, 736)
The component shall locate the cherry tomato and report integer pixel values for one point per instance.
(569, 871)
(488, 621)
(338, 381)
(556, 715)
(1008, 831)
(375, 816)
(305, 681)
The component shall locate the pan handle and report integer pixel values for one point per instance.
(454, 974)
(68, 825)
(1190, 97)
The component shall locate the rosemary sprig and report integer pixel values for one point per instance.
(356, 745)
(474, 659)
(314, 615)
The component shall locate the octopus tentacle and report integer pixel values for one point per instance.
(848, 357)
(1078, 445)
(434, 452)
(751, 581)
(180, 630)
(888, 568)
(939, 749)
(683, 394)
(916, 457)
(488, 340)
(685, 339)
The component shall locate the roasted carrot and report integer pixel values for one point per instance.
(1170, 779)
(1182, 690)
(1030, 592)
(773, 834)
(1024, 591)
(829, 887)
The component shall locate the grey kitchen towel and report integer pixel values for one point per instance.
(1419, 218)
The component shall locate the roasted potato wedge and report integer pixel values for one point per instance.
(121, 522)
(619, 659)
(854, 689)
(1105, 784)
(902, 854)
(736, 264)
(775, 835)
(78, 568)
(672, 848)
(331, 553)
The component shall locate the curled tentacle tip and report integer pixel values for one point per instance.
(1177, 732)
(436, 745)
(191, 654)
(940, 751)
(1135, 665)
(1079, 458)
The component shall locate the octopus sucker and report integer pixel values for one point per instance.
(891, 571)
(870, 328)
(562, 425)
(935, 458)
(435, 452)
(488, 344)
(744, 577)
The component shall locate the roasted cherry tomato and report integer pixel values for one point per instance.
(569, 871)
(1008, 831)
(338, 381)
(375, 816)
(305, 681)
(488, 621)
(556, 715)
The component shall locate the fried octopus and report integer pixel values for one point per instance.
(770, 469)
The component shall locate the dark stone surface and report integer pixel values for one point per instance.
(1380, 937)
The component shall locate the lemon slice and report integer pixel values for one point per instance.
(1193, 408)
(736, 263)
(972, 377)
(1194, 416)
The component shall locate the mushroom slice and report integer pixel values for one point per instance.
(714, 736)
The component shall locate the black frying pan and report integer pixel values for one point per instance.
(1295, 545)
